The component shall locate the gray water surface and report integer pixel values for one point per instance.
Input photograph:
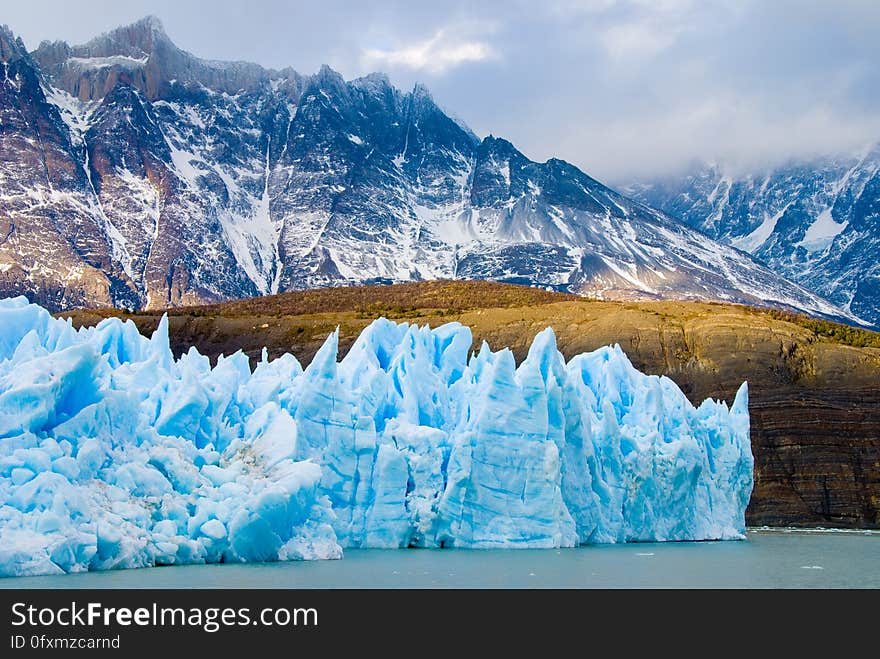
(767, 559)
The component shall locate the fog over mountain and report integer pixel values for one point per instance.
(623, 89)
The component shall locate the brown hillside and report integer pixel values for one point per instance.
(814, 386)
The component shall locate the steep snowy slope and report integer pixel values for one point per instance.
(191, 180)
(817, 222)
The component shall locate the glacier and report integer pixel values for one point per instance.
(114, 454)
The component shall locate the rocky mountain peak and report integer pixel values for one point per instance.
(421, 92)
(141, 54)
(376, 78)
(498, 147)
(11, 47)
(152, 23)
(328, 80)
(422, 101)
(136, 40)
(375, 84)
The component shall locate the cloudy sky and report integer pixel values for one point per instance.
(625, 89)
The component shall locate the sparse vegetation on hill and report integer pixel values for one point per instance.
(394, 300)
(837, 332)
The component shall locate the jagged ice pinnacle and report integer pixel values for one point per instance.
(114, 455)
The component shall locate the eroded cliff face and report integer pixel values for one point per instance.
(142, 56)
(815, 409)
(814, 403)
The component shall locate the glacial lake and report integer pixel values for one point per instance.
(767, 559)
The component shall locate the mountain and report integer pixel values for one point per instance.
(816, 222)
(135, 174)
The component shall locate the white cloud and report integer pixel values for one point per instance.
(735, 131)
(437, 55)
(636, 40)
(623, 88)
(644, 28)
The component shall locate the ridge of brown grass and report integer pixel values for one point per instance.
(827, 329)
(446, 298)
(396, 299)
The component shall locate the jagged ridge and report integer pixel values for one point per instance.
(192, 181)
(815, 221)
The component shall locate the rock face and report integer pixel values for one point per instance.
(52, 245)
(814, 403)
(142, 56)
(817, 222)
(814, 406)
(156, 179)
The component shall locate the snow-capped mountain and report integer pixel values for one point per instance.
(133, 173)
(817, 222)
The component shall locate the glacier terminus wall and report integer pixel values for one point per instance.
(114, 454)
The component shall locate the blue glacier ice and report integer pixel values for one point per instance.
(113, 454)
